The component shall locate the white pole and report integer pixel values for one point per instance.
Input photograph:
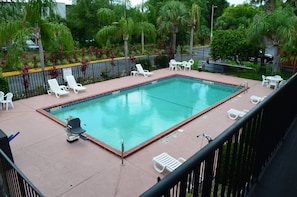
(211, 21)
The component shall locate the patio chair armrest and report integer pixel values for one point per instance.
(62, 87)
(181, 159)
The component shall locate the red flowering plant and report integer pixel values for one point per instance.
(54, 72)
(35, 61)
(112, 60)
(83, 67)
(132, 59)
(68, 57)
(83, 53)
(60, 53)
(90, 50)
(25, 75)
(96, 51)
(101, 52)
(53, 58)
(74, 54)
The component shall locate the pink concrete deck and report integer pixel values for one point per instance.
(82, 168)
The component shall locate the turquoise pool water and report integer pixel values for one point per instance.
(137, 114)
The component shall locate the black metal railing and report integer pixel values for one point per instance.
(35, 83)
(231, 164)
(13, 181)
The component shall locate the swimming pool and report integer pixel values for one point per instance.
(137, 115)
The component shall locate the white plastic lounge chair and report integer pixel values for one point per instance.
(165, 161)
(143, 72)
(256, 99)
(73, 85)
(57, 89)
(7, 100)
(235, 114)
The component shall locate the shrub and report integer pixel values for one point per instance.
(4, 85)
(161, 61)
(224, 165)
(146, 63)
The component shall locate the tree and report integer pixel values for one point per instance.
(194, 24)
(143, 27)
(124, 28)
(227, 44)
(35, 21)
(172, 16)
(236, 16)
(82, 21)
(278, 27)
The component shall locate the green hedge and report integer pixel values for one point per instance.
(4, 85)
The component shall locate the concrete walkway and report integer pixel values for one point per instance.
(61, 169)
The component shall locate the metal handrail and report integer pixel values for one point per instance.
(14, 182)
(232, 162)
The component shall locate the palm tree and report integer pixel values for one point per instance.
(144, 28)
(124, 28)
(172, 15)
(278, 26)
(194, 24)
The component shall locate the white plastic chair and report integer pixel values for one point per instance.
(1, 96)
(188, 66)
(7, 101)
(143, 72)
(256, 99)
(172, 66)
(71, 82)
(265, 81)
(235, 114)
(165, 161)
(57, 89)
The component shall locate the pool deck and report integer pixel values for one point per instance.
(61, 169)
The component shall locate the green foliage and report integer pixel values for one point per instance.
(229, 43)
(195, 65)
(4, 85)
(146, 63)
(161, 61)
(236, 16)
(226, 162)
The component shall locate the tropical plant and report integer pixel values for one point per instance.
(123, 28)
(4, 84)
(278, 27)
(35, 22)
(172, 16)
(236, 16)
(82, 21)
(54, 72)
(230, 44)
(144, 28)
(83, 67)
(26, 77)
